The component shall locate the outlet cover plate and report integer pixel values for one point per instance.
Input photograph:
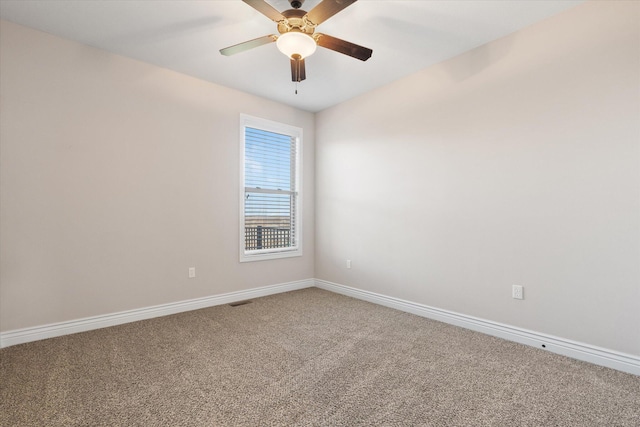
(517, 292)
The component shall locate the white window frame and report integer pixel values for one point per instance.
(281, 128)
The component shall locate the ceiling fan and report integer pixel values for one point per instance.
(298, 38)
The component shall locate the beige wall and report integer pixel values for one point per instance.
(515, 163)
(116, 177)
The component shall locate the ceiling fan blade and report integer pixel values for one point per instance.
(241, 47)
(326, 9)
(298, 72)
(342, 46)
(266, 9)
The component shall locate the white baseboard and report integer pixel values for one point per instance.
(581, 351)
(585, 352)
(20, 336)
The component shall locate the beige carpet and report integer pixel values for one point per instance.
(307, 358)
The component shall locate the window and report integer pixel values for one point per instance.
(270, 175)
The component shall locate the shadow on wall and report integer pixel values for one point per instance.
(477, 60)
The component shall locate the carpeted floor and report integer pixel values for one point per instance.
(307, 358)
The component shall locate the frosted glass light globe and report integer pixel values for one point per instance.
(295, 43)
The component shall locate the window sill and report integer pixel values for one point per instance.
(249, 257)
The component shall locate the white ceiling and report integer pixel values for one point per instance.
(185, 36)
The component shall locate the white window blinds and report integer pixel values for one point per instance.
(270, 197)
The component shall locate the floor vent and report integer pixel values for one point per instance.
(236, 304)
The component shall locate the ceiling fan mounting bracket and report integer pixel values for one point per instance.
(296, 4)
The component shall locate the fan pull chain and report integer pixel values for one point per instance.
(296, 88)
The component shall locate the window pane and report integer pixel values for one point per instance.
(268, 221)
(270, 190)
(268, 159)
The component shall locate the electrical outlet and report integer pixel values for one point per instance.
(348, 263)
(192, 272)
(517, 292)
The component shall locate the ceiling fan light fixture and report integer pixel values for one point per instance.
(296, 43)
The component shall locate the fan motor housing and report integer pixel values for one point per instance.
(295, 22)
